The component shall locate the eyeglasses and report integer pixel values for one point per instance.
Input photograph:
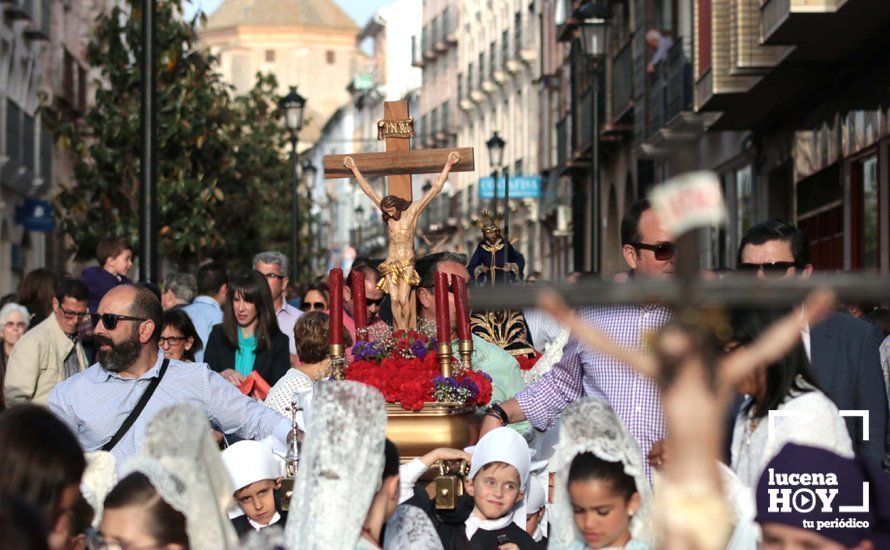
(271, 276)
(110, 320)
(770, 269)
(172, 340)
(73, 314)
(663, 251)
(312, 306)
(369, 302)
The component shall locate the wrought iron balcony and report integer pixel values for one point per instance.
(622, 82)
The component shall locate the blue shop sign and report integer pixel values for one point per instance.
(35, 215)
(521, 187)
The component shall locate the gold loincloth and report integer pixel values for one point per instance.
(392, 273)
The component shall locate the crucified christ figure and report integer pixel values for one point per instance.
(397, 274)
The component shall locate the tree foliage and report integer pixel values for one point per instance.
(222, 173)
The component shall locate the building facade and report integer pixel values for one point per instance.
(305, 43)
(42, 66)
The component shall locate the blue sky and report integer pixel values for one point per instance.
(359, 10)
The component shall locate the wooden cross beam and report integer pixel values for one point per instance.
(399, 161)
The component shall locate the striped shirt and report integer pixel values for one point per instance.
(95, 402)
(583, 372)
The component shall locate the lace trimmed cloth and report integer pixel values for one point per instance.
(183, 464)
(340, 467)
(590, 426)
(410, 527)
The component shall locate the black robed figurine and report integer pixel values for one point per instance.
(495, 261)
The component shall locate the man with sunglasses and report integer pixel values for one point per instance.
(843, 351)
(373, 295)
(649, 252)
(50, 352)
(273, 266)
(101, 404)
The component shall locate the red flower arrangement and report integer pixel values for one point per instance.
(526, 362)
(405, 371)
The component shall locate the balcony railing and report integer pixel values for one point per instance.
(450, 25)
(562, 142)
(417, 59)
(622, 82)
(670, 91)
(583, 122)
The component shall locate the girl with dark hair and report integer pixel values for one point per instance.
(249, 338)
(42, 463)
(600, 492)
(808, 416)
(135, 516)
(179, 340)
(36, 292)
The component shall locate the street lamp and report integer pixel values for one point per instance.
(496, 146)
(292, 106)
(593, 21)
(308, 172)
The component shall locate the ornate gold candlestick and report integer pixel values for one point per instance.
(444, 355)
(465, 348)
(338, 361)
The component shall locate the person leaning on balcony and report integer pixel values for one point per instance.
(662, 44)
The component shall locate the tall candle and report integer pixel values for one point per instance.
(443, 319)
(462, 309)
(335, 282)
(359, 305)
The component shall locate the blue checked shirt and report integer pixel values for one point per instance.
(95, 402)
(585, 373)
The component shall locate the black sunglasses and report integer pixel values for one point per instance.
(311, 306)
(663, 251)
(775, 269)
(110, 320)
(369, 302)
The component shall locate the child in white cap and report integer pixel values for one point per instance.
(495, 488)
(255, 472)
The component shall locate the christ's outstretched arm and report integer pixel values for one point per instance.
(453, 158)
(350, 164)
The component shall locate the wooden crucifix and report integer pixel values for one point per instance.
(400, 212)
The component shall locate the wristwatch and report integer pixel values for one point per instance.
(496, 410)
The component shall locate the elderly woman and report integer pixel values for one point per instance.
(14, 321)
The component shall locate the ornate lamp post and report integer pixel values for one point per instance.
(593, 19)
(496, 146)
(308, 172)
(292, 108)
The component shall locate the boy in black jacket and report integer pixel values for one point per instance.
(484, 518)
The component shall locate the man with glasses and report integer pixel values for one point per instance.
(95, 403)
(843, 351)
(50, 352)
(373, 295)
(581, 372)
(273, 266)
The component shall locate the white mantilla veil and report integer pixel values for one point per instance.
(183, 464)
(590, 426)
(340, 467)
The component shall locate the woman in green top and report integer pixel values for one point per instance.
(248, 339)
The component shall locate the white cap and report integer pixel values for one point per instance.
(250, 461)
(502, 445)
(535, 496)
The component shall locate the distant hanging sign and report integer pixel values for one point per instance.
(521, 187)
(35, 215)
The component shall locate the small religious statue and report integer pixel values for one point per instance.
(495, 261)
(397, 274)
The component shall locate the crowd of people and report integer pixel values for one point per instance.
(138, 416)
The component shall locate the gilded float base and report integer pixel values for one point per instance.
(436, 425)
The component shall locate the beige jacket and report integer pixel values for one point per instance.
(36, 363)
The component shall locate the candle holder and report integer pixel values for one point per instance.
(444, 355)
(338, 361)
(465, 348)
